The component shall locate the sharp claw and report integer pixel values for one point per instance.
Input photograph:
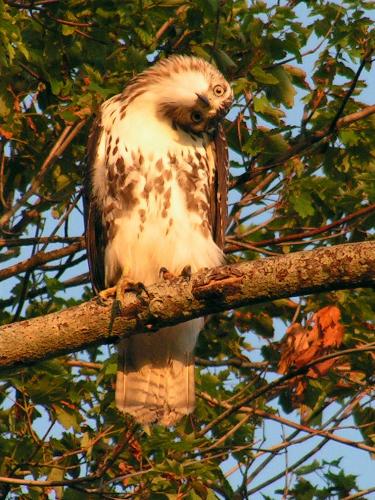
(162, 272)
(186, 272)
(139, 287)
(123, 286)
(165, 274)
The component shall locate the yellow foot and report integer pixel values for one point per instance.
(105, 295)
(125, 285)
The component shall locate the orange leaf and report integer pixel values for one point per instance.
(306, 356)
(5, 133)
(328, 320)
(300, 387)
(299, 348)
(320, 369)
(125, 469)
(135, 449)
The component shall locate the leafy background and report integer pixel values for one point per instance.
(302, 177)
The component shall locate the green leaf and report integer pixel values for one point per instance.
(67, 30)
(284, 91)
(308, 469)
(302, 203)
(268, 112)
(262, 76)
(67, 419)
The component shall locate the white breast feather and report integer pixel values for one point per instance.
(142, 252)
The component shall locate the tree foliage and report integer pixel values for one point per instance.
(302, 141)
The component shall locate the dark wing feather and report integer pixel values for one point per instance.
(94, 231)
(219, 189)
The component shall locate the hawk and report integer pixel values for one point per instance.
(155, 197)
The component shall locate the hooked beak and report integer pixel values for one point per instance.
(203, 99)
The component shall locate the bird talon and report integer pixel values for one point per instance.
(124, 286)
(104, 296)
(186, 272)
(165, 275)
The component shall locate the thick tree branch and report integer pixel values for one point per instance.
(171, 302)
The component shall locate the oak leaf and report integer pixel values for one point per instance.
(332, 331)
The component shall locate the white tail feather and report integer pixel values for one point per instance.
(155, 378)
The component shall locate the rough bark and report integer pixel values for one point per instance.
(170, 302)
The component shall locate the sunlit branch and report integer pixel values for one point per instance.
(171, 302)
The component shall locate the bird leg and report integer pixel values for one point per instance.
(123, 285)
(118, 292)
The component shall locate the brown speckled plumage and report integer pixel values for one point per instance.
(155, 196)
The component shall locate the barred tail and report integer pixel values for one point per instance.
(155, 378)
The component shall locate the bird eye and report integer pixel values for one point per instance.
(196, 116)
(218, 90)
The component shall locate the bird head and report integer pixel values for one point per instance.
(189, 92)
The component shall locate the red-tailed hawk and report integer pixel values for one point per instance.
(155, 196)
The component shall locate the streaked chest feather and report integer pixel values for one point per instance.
(153, 183)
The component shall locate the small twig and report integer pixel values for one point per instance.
(61, 144)
(307, 234)
(359, 494)
(169, 22)
(354, 117)
(223, 438)
(2, 183)
(311, 51)
(71, 23)
(84, 364)
(234, 244)
(42, 240)
(315, 240)
(302, 143)
(350, 91)
(240, 363)
(272, 385)
(40, 258)
(258, 188)
(293, 466)
(31, 5)
(82, 279)
(64, 218)
(45, 484)
(25, 283)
